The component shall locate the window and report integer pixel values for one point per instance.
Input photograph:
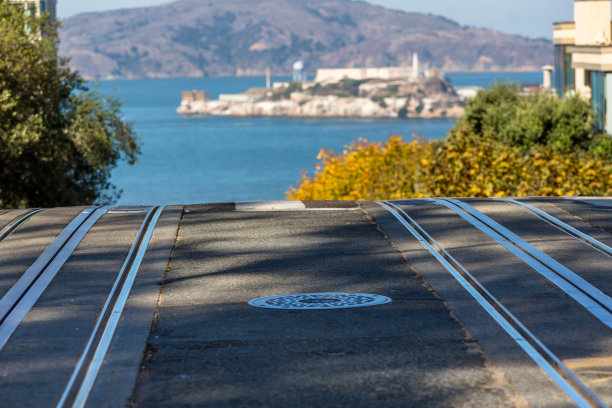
(570, 83)
(587, 78)
(565, 80)
(559, 74)
(597, 97)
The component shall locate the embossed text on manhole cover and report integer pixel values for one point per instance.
(319, 301)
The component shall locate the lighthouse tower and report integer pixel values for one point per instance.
(415, 65)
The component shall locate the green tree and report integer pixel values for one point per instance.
(59, 139)
(501, 113)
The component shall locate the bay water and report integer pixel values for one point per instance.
(218, 159)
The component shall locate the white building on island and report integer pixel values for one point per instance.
(360, 74)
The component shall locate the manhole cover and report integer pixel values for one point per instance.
(310, 301)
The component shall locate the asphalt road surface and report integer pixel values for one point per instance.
(416, 303)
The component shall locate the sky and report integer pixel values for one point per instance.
(530, 18)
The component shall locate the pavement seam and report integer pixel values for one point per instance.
(409, 264)
(499, 379)
(585, 220)
(149, 350)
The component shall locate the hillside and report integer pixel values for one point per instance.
(191, 38)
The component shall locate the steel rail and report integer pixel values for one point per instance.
(555, 222)
(85, 373)
(19, 300)
(16, 222)
(588, 296)
(524, 338)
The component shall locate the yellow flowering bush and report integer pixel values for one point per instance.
(365, 171)
(478, 167)
(462, 166)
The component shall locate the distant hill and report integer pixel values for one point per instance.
(192, 38)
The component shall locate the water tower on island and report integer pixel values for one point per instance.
(298, 71)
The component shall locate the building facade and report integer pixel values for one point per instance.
(360, 74)
(583, 57)
(38, 7)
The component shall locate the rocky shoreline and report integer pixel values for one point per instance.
(426, 99)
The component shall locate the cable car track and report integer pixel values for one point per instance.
(16, 222)
(552, 365)
(90, 361)
(584, 293)
(569, 230)
(21, 297)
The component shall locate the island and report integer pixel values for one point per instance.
(395, 92)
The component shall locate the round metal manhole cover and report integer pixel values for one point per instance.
(319, 301)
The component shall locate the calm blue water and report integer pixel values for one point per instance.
(213, 159)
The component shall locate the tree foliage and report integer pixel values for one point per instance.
(505, 145)
(541, 119)
(59, 139)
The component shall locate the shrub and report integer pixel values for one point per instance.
(503, 114)
(474, 167)
(364, 171)
(506, 144)
(466, 167)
